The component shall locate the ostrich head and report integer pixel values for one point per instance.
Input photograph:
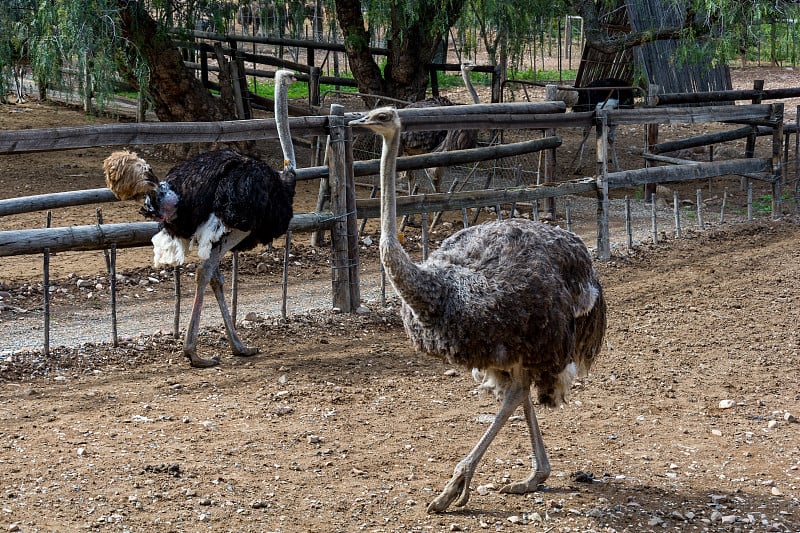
(384, 121)
(128, 176)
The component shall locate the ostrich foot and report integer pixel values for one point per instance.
(523, 487)
(199, 362)
(457, 487)
(245, 351)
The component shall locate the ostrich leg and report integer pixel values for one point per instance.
(206, 271)
(237, 346)
(458, 486)
(541, 464)
(202, 277)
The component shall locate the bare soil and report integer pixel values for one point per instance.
(686, 423)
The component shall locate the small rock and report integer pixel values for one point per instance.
(789, 417)
(717, 499)
(208, 424)
(716, 516)
(655, 521)
(368, 241)
(772, 424)
(727, 404)
(716, 432)
(514, 519)
(14, 526)
(729, 519)
(313, 439)
(689, 515)
(81, 451)
(259, 504)
(451, 372)
(776, 491)
(483, 490)
(456, 527)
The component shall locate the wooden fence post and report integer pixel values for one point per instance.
(777, 167)
(549, 167)
(750, 147)
(603, 231)
(345, 298)
(651, 133)
(314, 74)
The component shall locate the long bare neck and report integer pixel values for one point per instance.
(391, 146)
(418, 288)
(282, 122)
(471, 88)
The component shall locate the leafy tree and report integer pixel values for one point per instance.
(414, 31)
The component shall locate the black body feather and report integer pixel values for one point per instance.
(243, 192)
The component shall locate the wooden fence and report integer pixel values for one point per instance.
(341, 170)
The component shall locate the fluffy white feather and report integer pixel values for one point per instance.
(167, 250)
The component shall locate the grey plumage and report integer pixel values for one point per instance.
(518, 301)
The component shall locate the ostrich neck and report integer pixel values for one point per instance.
(416, 286)
(282, 123)
(468, 82)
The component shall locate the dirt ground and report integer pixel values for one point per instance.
(686, 423)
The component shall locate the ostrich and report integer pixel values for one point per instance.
(423, 142)
(220, 200)
(516, 300)
(606, 95)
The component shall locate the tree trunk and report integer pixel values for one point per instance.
(412, 46)
(177, 94)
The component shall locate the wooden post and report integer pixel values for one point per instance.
(603, 232)
(676, 212)
(176, 318)
(750, 146)
(352, 223)
(338, 171)
(777, 166)
(628, 222)
(112, 285)
(551, 92)
(699, 195)
(654, 219)
(314, 74)
(651, 139)
(204, 66)
(797, 162)
(46, 288)
(235, 79)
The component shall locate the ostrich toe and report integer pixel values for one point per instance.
(245, 351)
(198, 362)
(457, 487)
(531, 484)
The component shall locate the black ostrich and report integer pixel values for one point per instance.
(517, 301)
(220, 201)
(607, 93)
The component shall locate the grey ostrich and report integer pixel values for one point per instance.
(221, 201)
(423, 142)
(517, 301)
